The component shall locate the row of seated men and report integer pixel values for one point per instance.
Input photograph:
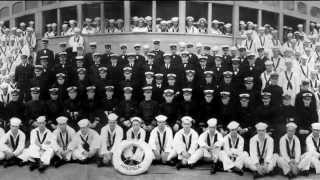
(184, 148)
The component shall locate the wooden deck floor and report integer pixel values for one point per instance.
(91, 172)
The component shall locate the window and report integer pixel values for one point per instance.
(302, 7)
(270, 18)
(31, 4)
(68, 13)
(222, 13)
(4, 12)
(315, 12)
(91, 10)
(293, 22)
(167, 9)
(248, 14)
(114, 10)
(197, 10)
(141, 8)
(49, 17)
(17, 7)
(25, 19)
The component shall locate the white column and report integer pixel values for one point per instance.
(281, 21)
(209, 17)
(126, 16)
(79, 15)
(182, 16)
(59, 23)
(102, 17)
(154, 15)
(235, 22)
(259, 18)
(39, 24)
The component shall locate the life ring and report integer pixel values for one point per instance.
(128, 169)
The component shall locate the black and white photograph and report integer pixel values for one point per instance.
(159, 89)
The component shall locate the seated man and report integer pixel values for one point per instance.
(185, 143)
(210, 143)
(41, 149)
(311, 157)
(12, 144)
(290, 152)
(261, 160)
(111, 135)
(133, 154)
(86, 143)
(233, 156)
(161, 139)
(63, 136)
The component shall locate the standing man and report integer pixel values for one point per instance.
(46, 52)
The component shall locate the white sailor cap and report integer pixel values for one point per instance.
(186, 119)
(41, 119)
(299, 25)
(315, 126)
(138, 119)
(112, 117)
(233, 125)
(268, 62)
(83, 123)
(261, 126)
(161, 118)
(14, 121)
(61, 119)
(212, 122)
(291, 125)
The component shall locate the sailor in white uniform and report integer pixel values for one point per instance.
(233, 156)
(86, 143)
(262, 160)
(161, 140)
(210, 143)
(41, 149)
(111, 135)
(12, 144)
(63, 136)
(290, 152)
(185, 143)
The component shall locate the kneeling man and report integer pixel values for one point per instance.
(41, 149)
(210, 143)
(185, 143)
(233, 156)
(261, 161)
(111, 135)
(86, 143)
(63, 136)
(12, 144)
(160, 140)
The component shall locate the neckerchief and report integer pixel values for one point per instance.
(189, 143)
(316, 145)
(290, 151)
(303, 72)
(162, 144)
(111, 140)
(289, 84)
(14, 143)
(260, 154)
(215, 138)
(43, 138)
(275, 67)
(64, 143)
(250, 44)
(231, 145)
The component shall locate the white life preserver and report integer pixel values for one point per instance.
(131, 170)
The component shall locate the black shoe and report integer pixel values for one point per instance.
(305, 173)
(5, 164)
(191, 166)
(290, 175)
(85, 161)
(100, 163)
(59, 163)
(213, 169)
(21, 163)
(256, 175)
(171, 163)
(42, 168)
(179, 165)
(237, 171)
(33, 166)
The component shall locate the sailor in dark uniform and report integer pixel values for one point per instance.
(138, 57)
(226, 58)
(176, 58)
(105, 60)
(15, 108)
(126, 108)
(208, 108)
(169, 108)
(158, 88)
(115, 70)
(72, 107)
(188, 106)
(54, 108)
(225, 110)
(34, 108)
(157, 52)
(110, 102)
(123, 55)
(275, 90)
